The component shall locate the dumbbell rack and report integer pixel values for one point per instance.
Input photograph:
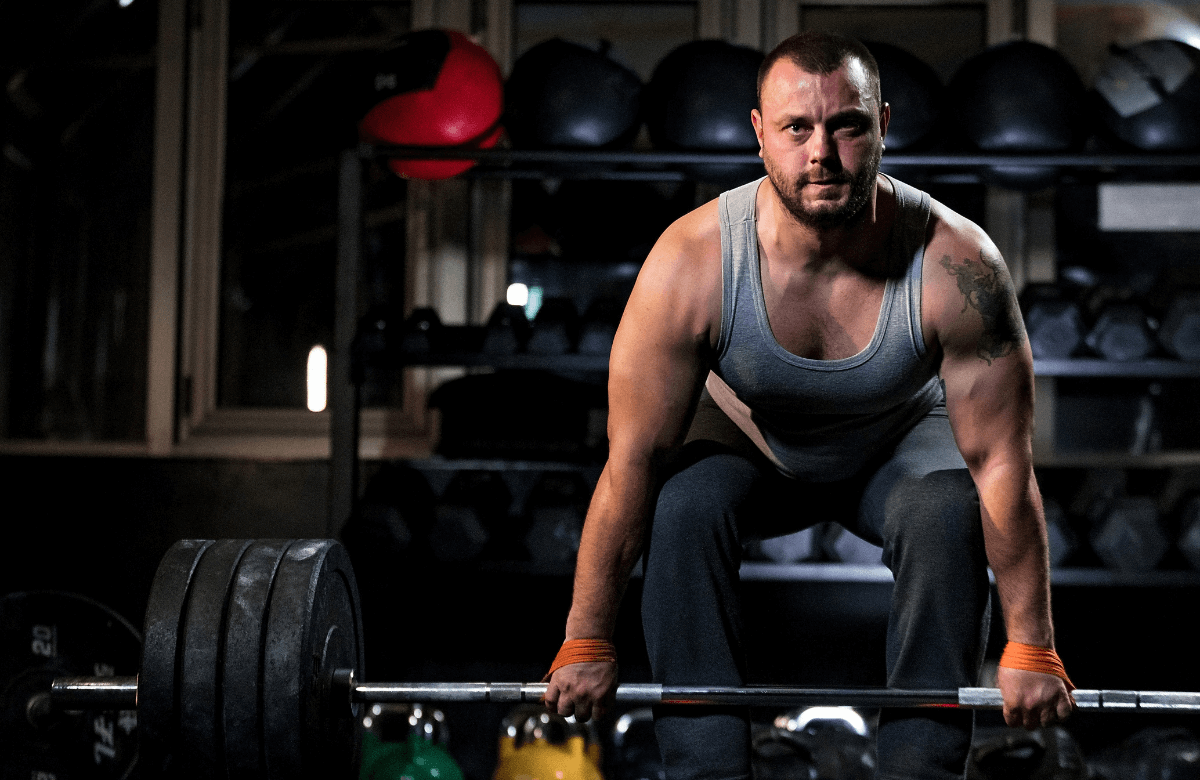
(344, 395)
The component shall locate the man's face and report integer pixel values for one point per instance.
(821, 138)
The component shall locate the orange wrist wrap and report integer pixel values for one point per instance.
(1032, 658)
(578, 651)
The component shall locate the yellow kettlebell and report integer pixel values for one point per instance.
(536, 744)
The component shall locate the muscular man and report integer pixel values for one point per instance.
(826, 343)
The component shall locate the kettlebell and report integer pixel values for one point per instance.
(413, 759)
(536, 744)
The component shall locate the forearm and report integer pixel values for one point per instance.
(609, 548)
(1014, 532)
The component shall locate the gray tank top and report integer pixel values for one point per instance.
(823, 420)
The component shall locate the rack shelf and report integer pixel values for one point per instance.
(658, 165)
(569, 362)
(756, 571)
(648, 158)
(1158, 368)
(1155, 368)
(1071, 576)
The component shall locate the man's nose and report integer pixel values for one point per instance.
(822, 149)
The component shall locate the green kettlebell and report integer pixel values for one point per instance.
(413, 759)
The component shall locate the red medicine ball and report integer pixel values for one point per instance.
(435, 88)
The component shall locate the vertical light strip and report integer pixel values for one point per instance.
(318, 378)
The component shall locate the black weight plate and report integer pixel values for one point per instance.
(201, 743)
(245, 623)
(314, 625)
(158, 683)
(48, 634)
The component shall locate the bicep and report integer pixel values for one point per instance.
(656, 369)
(986, 363)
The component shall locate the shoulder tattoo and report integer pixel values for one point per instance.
(988, 290)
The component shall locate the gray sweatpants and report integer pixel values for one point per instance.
(919, 504)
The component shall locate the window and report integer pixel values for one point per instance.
(77, 129)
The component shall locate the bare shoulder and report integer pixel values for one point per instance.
(968, 295)
(691, 243)
(681, 278)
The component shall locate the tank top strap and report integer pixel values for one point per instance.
(908, 251)
(735, 209)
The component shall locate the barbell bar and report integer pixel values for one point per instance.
(121, 693)
(253, 654)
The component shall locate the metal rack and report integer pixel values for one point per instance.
(344, 399)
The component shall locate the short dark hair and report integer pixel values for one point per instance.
(823, 53)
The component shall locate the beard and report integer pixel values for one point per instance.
(824, 214)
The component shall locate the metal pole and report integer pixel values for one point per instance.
(343, 391)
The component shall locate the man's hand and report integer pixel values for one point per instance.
(1033, 699)
(584, 690)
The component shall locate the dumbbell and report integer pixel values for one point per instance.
(422, 329)
(1189, 532)
(1053, 321)
(842, 546)
(599, 326)
(1161, 751)
(1180, 331)
(555, 328)
(836, 741)
(468, 516)
(507, 330)
(1004, 753)
(1128, 536)
(394, 514)
(1099, 486)
(1122, 332)
(556, 507)
(635, 753)
(790, 548)
(1061, 539)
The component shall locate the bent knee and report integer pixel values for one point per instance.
(941, 508)
(701, 499)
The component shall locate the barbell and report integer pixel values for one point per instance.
(253, 653)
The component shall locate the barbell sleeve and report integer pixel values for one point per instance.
(94, 693)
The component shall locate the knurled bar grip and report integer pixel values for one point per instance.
(647, 693)
(121, 693)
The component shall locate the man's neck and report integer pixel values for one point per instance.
(854, 244)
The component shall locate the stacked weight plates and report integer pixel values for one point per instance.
(241, 640)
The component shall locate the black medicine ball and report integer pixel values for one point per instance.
(1149, 96)
(1019, 97)
(700, 97)
(913, 90)
(564, 95)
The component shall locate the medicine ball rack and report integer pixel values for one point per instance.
(344, 392)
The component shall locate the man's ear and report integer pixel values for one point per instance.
(756, 120)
